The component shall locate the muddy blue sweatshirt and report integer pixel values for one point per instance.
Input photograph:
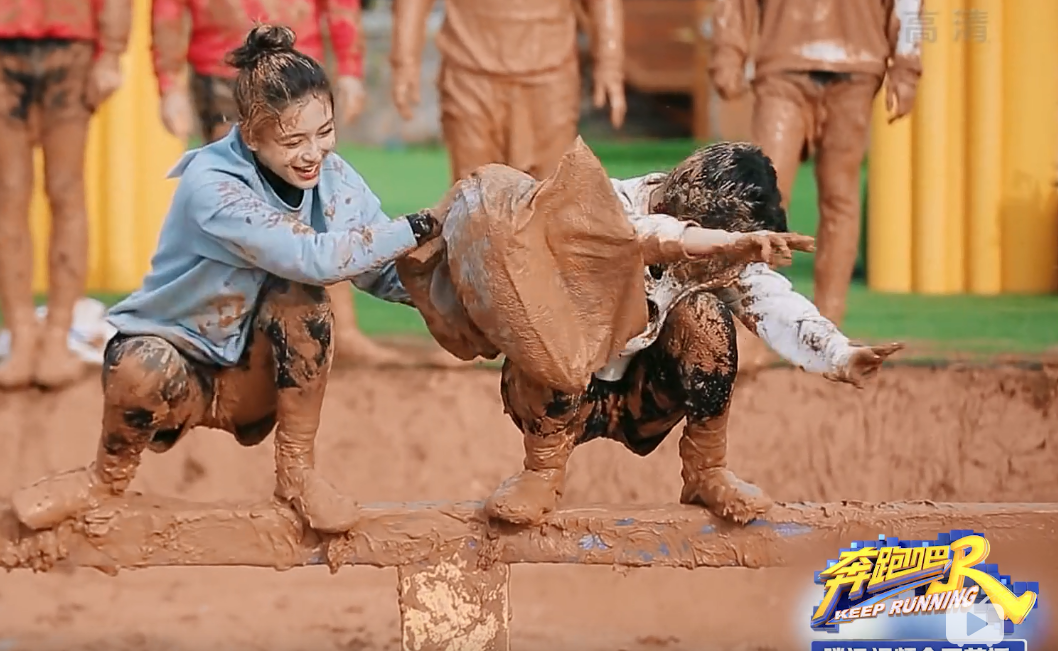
(227, 230)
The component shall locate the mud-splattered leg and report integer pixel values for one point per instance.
(697, 349)
(472, 115)
(64, 136)
(16, 244)
(847, 106)
(549, 426)
(544, 121)
(152, 395)
(298, 322)
(780, 126)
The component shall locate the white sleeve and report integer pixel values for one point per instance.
(789, 323)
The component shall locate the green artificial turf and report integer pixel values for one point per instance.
(410, 178)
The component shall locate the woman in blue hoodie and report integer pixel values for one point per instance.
(232, 327)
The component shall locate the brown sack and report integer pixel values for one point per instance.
(549, 273)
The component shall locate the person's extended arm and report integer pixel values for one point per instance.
(665, 239)
(276, 241)
(766, 303)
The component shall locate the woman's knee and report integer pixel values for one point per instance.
(700, 342)
(149, 391)
(299, 324)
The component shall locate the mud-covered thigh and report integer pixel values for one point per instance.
(689, 372)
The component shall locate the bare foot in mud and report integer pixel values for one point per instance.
(54, 499)
(526, 498)
(318, 503)
(16, 371)
(57, 367)
(727, 496)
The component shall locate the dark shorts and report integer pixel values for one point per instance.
(214, 99)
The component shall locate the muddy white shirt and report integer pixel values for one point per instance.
(763, 299)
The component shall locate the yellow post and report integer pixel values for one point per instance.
(889, 207)
(931, 232)
(127, 157)
(984, 147)
(955, 278)
(1029, 205)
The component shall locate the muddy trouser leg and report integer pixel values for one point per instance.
(551, 424)
(544, 119)
(694, 361)
(16, 244)
(214, 101)
(64, 137)
(152, 396)
(846, 119)
(297, 321)
(473, 117)
(782, 123)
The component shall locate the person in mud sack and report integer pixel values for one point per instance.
(683, 366)
(217, 26)
(59, 62)
(232, 328)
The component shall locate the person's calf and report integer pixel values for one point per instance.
(299, 324)
(700, 341)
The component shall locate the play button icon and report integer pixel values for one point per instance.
(974, 623)
(979, 624)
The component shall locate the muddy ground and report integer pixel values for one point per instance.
(972, 434)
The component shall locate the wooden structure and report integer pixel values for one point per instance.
(453, 566)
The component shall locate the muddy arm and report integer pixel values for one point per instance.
(765, 301)
(904, 51)
(607, 21)
(114, 24)
(343, 23)
(733, 23)
(660, 238)
(364, 210)
(409, 32)
(277, 242)
(169, 42)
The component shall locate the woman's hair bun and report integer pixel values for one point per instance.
(262, 41)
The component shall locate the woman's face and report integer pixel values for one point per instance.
(294, 147)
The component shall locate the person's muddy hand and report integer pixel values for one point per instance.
(730, 82)
(351, 98)
(863, 364)
(406, 90)
(609, 87)
(424, 226)
(773, 249)
(176, 112)
(901, 86)
(103, 79)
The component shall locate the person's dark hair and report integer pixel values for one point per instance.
(728, 185)
(273, 75)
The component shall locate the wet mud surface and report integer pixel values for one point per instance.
(972, 434)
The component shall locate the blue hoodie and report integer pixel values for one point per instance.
(227, 231)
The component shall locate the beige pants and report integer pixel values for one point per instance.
(797, 114)
(524, 123)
